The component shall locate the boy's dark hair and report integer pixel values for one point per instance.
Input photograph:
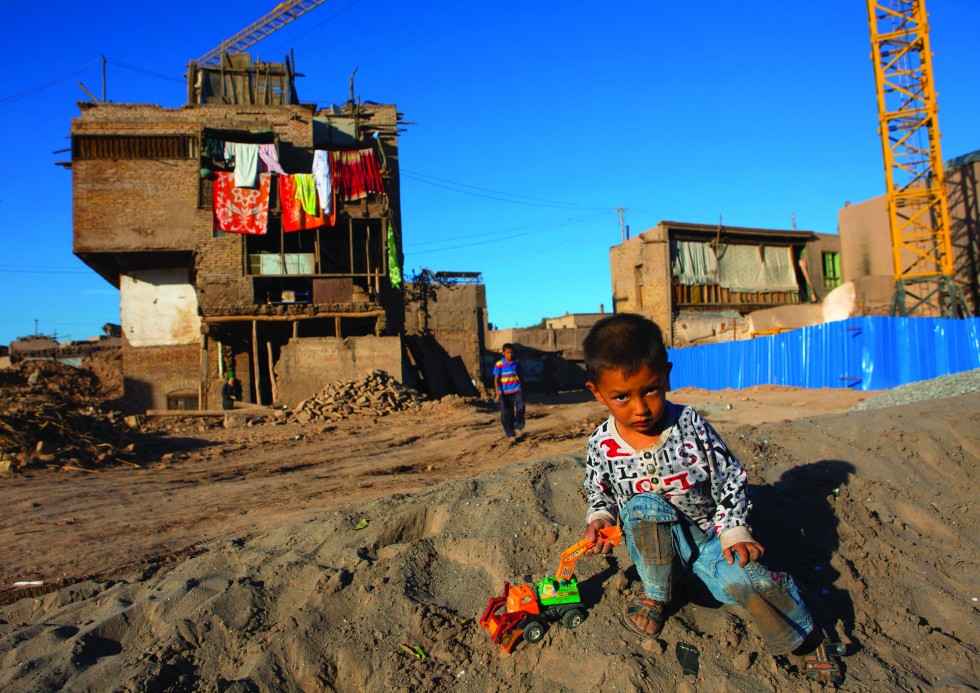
(508, 345)
(624, 342)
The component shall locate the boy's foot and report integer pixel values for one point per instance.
(645, 616)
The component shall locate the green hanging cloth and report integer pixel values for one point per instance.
(394, 267)
(306, 192)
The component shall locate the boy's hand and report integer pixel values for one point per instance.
(592, 534)
(745, 551)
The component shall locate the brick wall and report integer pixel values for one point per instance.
(151, 373)
(308, 365)
(457, 320)
(135, 205)
(640, 273)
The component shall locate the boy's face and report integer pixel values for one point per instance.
(508, 355)
(638, 402)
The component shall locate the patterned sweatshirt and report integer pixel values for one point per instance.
(690, 466)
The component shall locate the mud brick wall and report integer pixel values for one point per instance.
(307, 365)
(640, 273)
(457, 320)
(151, 373)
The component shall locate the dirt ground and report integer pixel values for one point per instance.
(229, 559)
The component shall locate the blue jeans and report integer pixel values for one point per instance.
(662, 545)
(512, 412)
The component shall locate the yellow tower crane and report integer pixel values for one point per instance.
(283, 13)
(918, 211)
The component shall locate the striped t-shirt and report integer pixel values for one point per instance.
(508, 373)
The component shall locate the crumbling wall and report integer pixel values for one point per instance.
(307, 365)
(457, 320)
(159, 308)
(640, 273)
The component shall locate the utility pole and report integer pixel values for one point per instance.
(103, 79)
(623, 229)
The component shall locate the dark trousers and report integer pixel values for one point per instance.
(512, 412)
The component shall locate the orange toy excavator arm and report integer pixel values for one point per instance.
(566, 568)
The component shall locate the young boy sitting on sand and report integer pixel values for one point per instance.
(680, 494)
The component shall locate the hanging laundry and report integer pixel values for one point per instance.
(214, 149)
(356, 174)
(321, 176)
(294, 216)
(246, 158)
(394, 266)
(306, 192)
(269, 159)
(240, 210)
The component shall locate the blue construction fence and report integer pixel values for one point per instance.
(859, 353)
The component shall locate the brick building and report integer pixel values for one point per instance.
(699, 281)
(197, 301)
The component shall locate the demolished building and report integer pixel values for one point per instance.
(866, 238)
(700, 281)
(246, 232)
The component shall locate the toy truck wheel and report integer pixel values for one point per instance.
(533, 631)
(572, 618)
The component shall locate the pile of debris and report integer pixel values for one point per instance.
(50, 415)
(377, 394)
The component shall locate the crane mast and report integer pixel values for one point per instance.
(284, 13)
(915, 181)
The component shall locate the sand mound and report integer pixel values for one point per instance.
(872, 512)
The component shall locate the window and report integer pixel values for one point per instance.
(831, 270)
(132, 147)
(183, 401)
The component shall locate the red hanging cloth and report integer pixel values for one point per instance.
(240, 210)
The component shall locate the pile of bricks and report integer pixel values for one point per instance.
(377, 394)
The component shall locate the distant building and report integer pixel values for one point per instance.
(699, 281)
(573, 320)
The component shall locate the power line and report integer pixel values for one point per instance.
(144, 71)
(517, 235)
(7, 100)
(40, 269)
(315, 26)
(521, 199)
(496, 233)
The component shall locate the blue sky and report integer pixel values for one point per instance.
(533, 123)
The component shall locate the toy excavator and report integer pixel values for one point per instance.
(556, 598)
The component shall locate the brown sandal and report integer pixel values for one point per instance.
(822, 664)
(647, 608)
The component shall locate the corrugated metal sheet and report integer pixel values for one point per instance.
(860, 353)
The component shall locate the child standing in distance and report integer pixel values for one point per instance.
(508, 389)
(663, 471)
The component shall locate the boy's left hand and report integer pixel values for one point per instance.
(745, 551)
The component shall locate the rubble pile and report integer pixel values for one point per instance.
(377, 394)
(50, 415)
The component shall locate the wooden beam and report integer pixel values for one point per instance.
(197, 413)
(272, 376)
(255, 363)
(214, 319)
(202, 388)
